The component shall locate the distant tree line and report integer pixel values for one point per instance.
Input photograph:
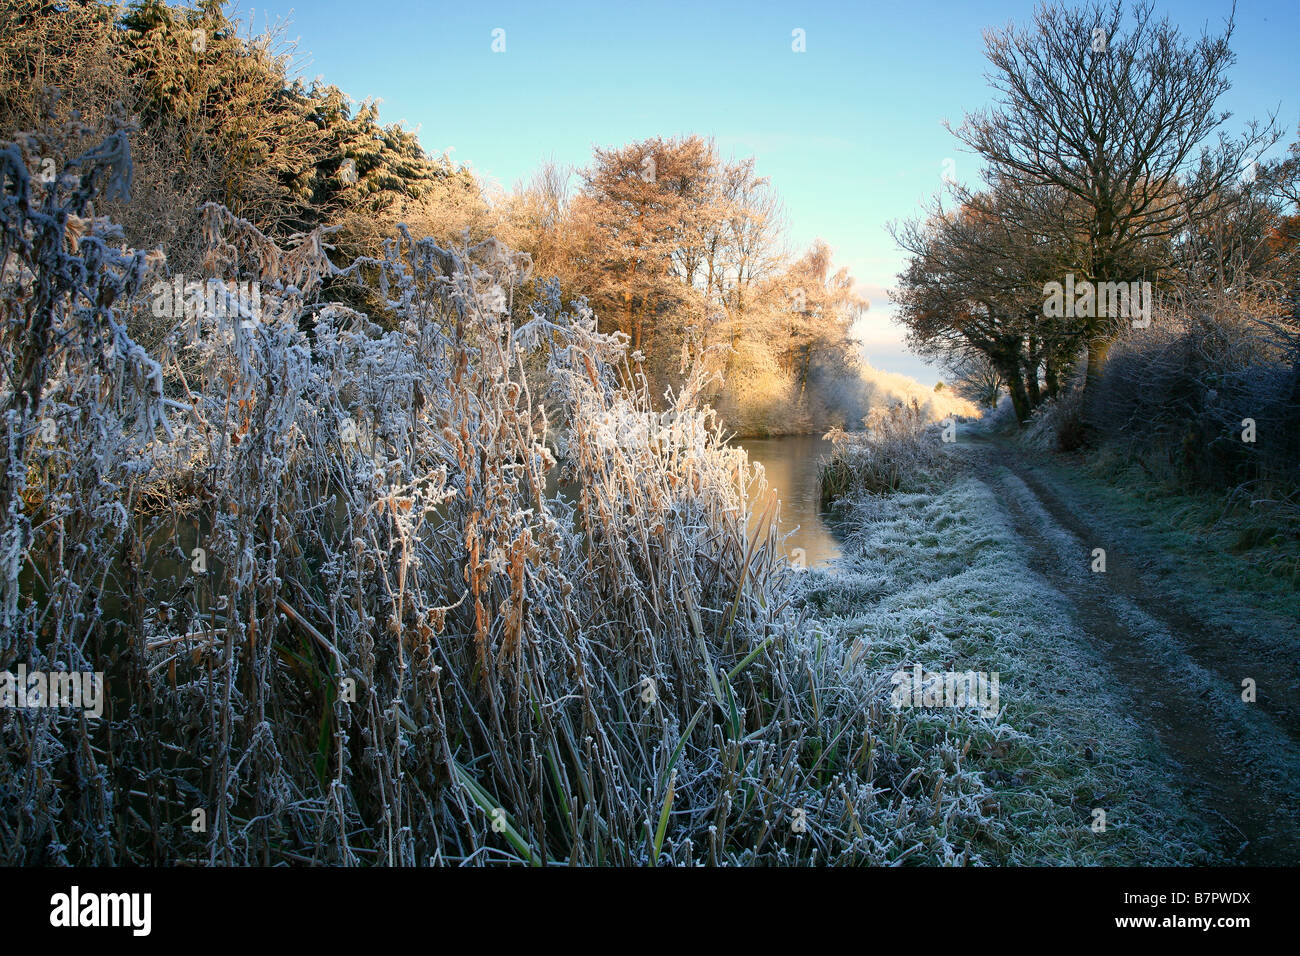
(672, 244)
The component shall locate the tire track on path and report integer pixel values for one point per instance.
(1239, 763)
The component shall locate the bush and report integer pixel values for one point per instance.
(900, 450)
(1178, 394)
(1057, 424)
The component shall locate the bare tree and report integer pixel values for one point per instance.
(972, 290)
(979, 380)
(1117, 110)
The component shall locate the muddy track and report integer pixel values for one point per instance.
(1234, 761)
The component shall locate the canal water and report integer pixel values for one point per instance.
(791, 466)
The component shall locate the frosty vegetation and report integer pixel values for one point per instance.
(392, 552)
(900, 450)
(345, 613)
(402, 558)
(342, 609)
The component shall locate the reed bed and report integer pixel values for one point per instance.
(343, 614)
(900, 450)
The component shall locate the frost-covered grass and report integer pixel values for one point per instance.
(342, 614)
(901, 450)
(940, 580)
(339, 611)
(1244, 542)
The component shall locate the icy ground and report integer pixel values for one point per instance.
(1121, 691)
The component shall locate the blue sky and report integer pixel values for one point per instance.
(849, 131)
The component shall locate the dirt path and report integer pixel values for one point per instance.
(1237, 762)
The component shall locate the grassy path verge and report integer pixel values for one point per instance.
(945, 580)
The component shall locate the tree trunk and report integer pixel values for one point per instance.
(1098, 347)
(1031, 386)
(1016, 388)
(1052, 380)
(1030, 367)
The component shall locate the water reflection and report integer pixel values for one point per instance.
(791, 466)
